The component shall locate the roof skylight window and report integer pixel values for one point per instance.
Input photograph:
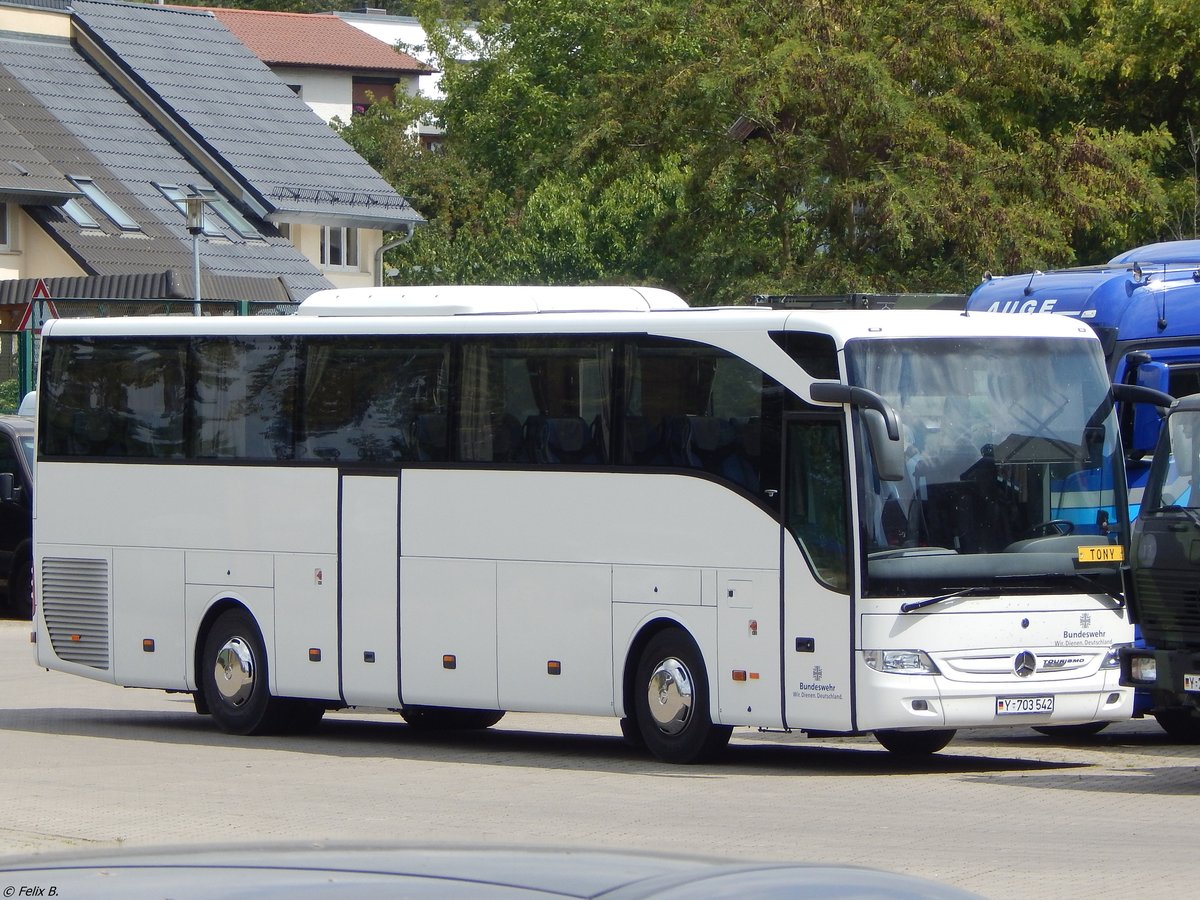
(226, 211)
(74, 211)
(178, 196)
(105, 204)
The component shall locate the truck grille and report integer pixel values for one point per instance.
(74, 602)
(1167, 606)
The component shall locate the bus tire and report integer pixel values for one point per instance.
(234, 677)
(914, 743)
(303, 716)
(671, 701)
(631, 734)
(1071, 732)
(442, 718)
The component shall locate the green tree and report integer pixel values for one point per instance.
(787, 145)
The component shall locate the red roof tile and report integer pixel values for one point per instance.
(305, 39)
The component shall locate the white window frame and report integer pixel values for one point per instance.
(106, 204)
(347, 243)
(7, 243)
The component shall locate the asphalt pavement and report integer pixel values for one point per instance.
(90, 767)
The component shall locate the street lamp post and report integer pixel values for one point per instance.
(195, 220)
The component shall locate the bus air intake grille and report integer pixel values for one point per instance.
(75, 605)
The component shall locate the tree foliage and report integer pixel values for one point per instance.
(783, 145)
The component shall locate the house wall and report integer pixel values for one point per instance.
(35, 21)
(307, 239)
(33, 253)
(328, 94)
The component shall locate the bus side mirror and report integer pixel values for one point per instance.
(888, 453)
(1146, 418)
(883, 425)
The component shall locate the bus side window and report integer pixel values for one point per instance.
(697, 407)
(536, 399)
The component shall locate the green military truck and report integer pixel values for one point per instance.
(1165, 564)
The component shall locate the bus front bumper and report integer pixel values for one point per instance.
(888, 700)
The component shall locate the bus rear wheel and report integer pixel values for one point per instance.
(233, 678)
(915, 743)
(671, 701)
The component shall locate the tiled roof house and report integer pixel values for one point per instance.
(335, 68)
(112, 113)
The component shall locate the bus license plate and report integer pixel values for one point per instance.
(1191, 683)
(1023, 706)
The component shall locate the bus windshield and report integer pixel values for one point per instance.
(1012, 464)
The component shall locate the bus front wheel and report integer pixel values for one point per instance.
(441, 718)
(914, 743)
(233, 673)
(671, 701)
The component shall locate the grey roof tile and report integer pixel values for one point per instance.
(74, 118)
(285, 156)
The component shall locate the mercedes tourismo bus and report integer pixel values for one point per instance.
(453, 502)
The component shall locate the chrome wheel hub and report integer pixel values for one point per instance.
(234, 671)
(671, 696)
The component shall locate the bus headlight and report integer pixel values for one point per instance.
(905, 662)
(1112, 659)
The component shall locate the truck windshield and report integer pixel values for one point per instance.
(1012, 465)
(1174, 477)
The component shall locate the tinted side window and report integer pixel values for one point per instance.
(815, 353)
(113, 399)
(378, 400)
(244, 397)
(537, 399)
(699, 407)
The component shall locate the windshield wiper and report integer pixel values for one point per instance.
(1087, 579)
(994, 590)
(965, 592)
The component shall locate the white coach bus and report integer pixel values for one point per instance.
(453, 502)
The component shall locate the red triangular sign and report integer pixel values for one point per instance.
(41, 298)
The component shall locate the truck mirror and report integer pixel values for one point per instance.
(1146, 418)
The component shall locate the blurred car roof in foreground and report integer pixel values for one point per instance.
(327, 871)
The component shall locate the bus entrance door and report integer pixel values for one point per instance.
(817, 611)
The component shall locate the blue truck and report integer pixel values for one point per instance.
(1145, 307)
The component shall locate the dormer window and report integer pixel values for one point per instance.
(105, 203)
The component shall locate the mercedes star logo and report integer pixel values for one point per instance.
(1025, 664)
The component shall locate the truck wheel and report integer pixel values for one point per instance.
(1180, 724)
(20, 590)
